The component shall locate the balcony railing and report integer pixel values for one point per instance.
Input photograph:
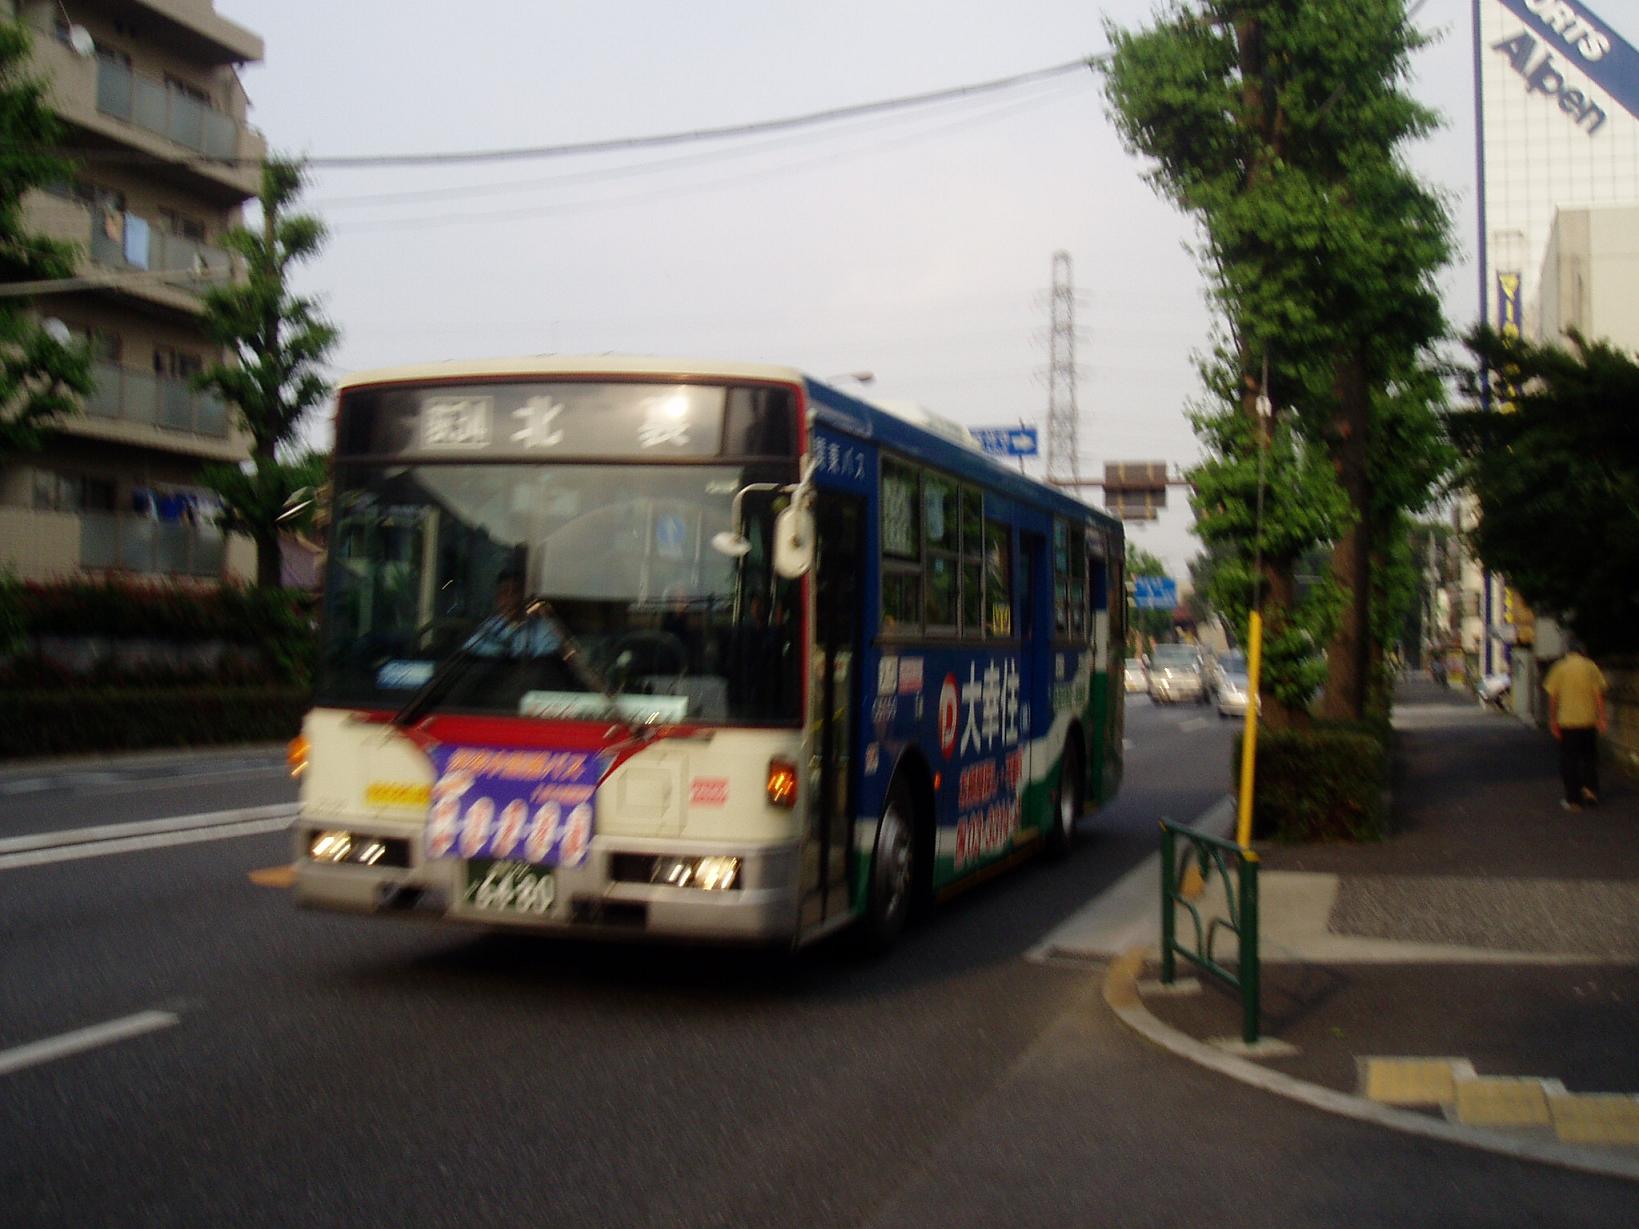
(132, 395)
(166, 110)
(114, 540)
(128, 241)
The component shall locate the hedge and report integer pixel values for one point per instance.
(105, 719)
(1325, 783)
(269, 633)
(228, 613)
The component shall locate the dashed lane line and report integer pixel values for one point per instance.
(51, 1048)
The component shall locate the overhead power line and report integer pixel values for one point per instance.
(618, 144)
(760, 175)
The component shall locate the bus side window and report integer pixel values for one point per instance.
(998, 581)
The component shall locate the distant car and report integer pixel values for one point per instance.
(1232, 691)
(1138, 679)
(1175, 674)
(1220, 667)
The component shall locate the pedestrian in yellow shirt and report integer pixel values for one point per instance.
(1576, 717)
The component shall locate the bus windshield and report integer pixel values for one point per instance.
(557, 590)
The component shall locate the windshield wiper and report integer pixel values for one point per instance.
(434, 688)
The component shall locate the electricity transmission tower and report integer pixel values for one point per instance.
(1063, 463)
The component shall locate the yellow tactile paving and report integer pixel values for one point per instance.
(1410, 1081)
(1502, 1103)
(1596, 1118)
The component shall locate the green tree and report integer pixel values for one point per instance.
(277, 342)
(40, 378)
(1276, 124)
(1557, 477)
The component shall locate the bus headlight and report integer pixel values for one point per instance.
(715, 873)
(330, 846)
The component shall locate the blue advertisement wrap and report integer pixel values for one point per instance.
(520, 806)
(1571, 30)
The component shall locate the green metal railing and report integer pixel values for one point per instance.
(1237, 867)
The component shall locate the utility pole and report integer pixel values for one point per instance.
(1063, 461)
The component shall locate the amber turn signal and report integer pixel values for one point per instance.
(782, 783)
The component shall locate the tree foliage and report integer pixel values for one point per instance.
(1276, 123)
(278, 342)
(1556, 475)
(40, 378)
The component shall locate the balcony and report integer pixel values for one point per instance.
(130, 243)
(44, 546)
(199, 148)
(162, 109)
(115, 541)
(129, 394)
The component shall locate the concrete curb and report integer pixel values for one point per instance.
(1122, 997)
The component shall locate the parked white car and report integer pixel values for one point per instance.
(1137, 678)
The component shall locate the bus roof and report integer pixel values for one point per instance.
(571, 364)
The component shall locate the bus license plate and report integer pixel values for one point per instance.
(509, 887)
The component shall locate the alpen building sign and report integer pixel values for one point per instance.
(1561, 34)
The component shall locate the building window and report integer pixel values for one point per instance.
(177, 364)
(54, 492)
(183, 225)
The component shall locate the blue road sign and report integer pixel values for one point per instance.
(1155, 592)
(1007, 441)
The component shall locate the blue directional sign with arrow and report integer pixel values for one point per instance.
(1155, 592)
(1007, 441)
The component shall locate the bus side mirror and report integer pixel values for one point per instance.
(794, 540)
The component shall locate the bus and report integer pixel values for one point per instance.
(703, 651)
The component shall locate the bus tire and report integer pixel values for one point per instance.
(893, 871)
(1067, 800)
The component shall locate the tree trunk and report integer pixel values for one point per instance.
(268, 560)
(1348, 656)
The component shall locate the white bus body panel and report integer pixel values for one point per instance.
(691, 796)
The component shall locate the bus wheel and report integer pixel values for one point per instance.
(893, 867)
(1067, 801)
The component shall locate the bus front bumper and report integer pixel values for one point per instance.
(610, 893)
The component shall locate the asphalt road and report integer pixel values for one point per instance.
(294, 1068)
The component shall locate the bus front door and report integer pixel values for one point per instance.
(831, 700)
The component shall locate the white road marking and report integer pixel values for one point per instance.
(1126, 744)
(1194, 723)
(37, 1052)
(28, 785)
(184, 779)
(45, 848)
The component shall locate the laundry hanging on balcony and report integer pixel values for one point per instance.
(136, 241)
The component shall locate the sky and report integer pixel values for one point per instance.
(915, 246)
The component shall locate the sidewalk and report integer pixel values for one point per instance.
(1493, 933)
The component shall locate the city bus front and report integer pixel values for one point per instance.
(559, 682)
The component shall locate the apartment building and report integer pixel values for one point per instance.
(152, 104)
